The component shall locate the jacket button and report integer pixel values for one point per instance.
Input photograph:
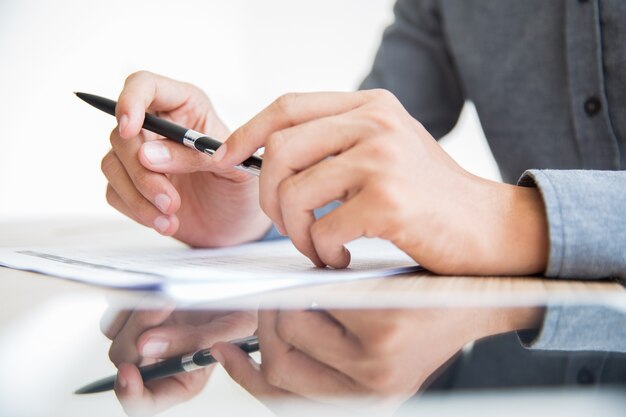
(592, 106)
(585, 377)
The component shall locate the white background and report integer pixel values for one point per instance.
(243, 53)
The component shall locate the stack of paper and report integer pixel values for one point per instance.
(207, 274)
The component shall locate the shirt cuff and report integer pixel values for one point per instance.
(579, 328)
(586, 221)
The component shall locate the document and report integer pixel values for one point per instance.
(207, 274)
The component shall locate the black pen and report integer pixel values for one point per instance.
(186, 363)
(187, 137)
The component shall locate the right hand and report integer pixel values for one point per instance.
(173, 189)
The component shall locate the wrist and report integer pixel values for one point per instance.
(498, 320)
(517, 231)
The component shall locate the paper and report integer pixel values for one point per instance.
(207, 273)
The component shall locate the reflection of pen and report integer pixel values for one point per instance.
(186, 363)
(187, 137)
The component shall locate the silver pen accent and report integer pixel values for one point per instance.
(188, 364)
(190, 137)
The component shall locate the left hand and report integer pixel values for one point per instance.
(395, 183)
(380, 356)
(145, 334)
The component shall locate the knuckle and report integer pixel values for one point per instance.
(267, 204)
(109, 165)
(275, 142)
(388, 196)
(285, 328)
(239, 319)
(115, 354)
(273, 375)
(382, 117)
(284, 104)
(114, 137)
(110, 196)
(387, 340)
(387, 153)
(288, 192)
(142, 181)
(383, 379)
(139, 75)
(384, 95)
(318, 232)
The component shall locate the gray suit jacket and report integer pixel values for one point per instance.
(548, 79)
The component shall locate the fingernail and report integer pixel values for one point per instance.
(161, 224)
(122, 381)
(218, 356)
(156, 153)
(220, 152)
(155, 346)
(122, 123)
(162, 202)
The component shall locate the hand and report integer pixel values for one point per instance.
(176, 190)
(372, 360)
(141, 336)
(395, 183)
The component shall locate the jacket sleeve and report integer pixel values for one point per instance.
(586, 212)
(413, 63)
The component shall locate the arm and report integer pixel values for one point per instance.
(587, 231)
(586, 221)
(580, 328)
(414, 64)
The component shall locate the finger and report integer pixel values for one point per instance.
(130, 391)
(320, 336)
(113, 320)
(139, 399)
(154, 186)
(244, 371)
(302, 193)
(120, 307)
(289, 369)
(129, 201)
(344, 224)
(170, 157)
(288, 110)
(115, 201)
(166, 341)
(366, 325)
(123, 348)
(294, 149)
(144, 90)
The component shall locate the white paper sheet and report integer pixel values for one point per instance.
(206, 273)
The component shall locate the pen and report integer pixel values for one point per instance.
(187, 137)
(185, 363)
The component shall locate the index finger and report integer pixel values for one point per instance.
(288, 110)
(144, 90)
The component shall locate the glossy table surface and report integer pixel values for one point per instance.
(50, 342)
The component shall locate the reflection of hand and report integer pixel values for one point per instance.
(164, 185)
(395, 183)
(384, 355)
(140, 337)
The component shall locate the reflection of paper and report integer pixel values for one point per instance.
(207, 273)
